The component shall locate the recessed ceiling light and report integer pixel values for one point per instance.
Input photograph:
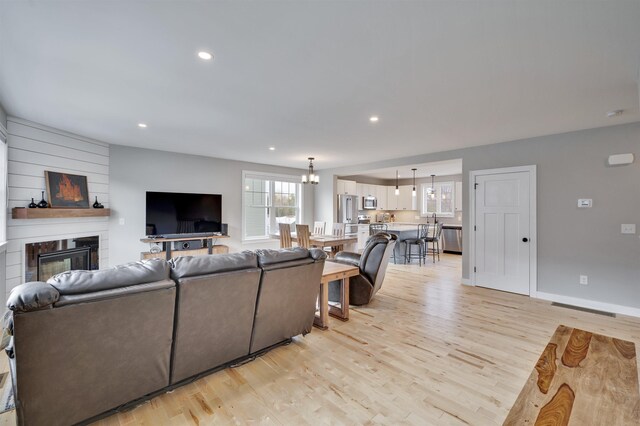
(373, 119)
(615, 113)
(142, 125)
(205, 55)
(272, 148)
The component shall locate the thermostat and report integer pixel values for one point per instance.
(585, 203)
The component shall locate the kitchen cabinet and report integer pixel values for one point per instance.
(368, 190)
(406, 201)
(360, 194)
(381, 195)
(363, 236)
(346, 187)
(403, 201)
(458, 197)
(392, 198)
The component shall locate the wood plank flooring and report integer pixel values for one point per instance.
(582, 378)
(427, 350)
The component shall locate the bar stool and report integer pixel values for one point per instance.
(420, 241)
(435, 242)
(374, 228)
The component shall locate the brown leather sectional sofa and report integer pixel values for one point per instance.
(88, 342)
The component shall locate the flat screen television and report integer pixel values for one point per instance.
(181, 213)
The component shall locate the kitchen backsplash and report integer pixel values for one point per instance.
(409, 216)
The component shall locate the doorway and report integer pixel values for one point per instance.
(503, 238)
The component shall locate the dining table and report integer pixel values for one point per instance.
(321, 241)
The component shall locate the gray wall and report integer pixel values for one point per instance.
(571, 241)
(134, 171)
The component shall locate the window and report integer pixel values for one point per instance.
(268, 201)
(438, 200)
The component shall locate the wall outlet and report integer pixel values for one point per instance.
(584, 280)
(121, 221)
(628, 228)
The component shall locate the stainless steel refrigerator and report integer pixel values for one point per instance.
(348, 213)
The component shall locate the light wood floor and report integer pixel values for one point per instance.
(427, 350)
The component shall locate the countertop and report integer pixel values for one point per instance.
(402, 226)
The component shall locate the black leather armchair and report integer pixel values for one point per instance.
(373, 265)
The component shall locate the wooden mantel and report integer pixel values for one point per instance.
(52, 213)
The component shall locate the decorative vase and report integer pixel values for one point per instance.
(32, 204)
(97, 205)
(43, 204)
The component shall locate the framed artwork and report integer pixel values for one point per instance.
(67, 191)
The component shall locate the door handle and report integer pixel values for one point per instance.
(525, 240)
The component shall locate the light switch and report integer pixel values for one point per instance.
(628, 228)
(585, 203)
(121, 221)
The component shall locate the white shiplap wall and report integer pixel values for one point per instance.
(34, 148)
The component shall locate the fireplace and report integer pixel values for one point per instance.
(48, 258)
(50, 264)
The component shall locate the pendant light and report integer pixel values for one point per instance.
(311, 177)
(413, 193)
(397, 188)
(432, 190)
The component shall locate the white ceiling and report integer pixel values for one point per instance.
(438, 168)
(305, 76)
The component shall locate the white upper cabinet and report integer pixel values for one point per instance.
(406, 201)
(351, 187)
(381, 195)
(360, 193)
(346, 187)
(392, 198)
(458, 197)
(385, 195)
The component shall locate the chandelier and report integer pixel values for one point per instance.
(432, 191)
(311, 177)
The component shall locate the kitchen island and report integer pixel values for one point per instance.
(405, 231)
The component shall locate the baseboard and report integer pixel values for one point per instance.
(590, 304)
(466, 281)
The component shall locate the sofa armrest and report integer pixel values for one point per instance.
(32, 297)
(348, 258)
(317, 254)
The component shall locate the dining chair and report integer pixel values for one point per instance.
(420, 241)
(303, 236)
(338, 230)
(285, 235)
(319, 227)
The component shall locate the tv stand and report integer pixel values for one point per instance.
(211, 246)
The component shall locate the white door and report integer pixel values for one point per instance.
(502, 231)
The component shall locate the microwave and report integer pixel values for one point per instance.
(369, 203)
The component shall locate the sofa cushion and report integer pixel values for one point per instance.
(268, 257)
(141, 272)
(32, 296)
(72, 299)
(189, 266)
